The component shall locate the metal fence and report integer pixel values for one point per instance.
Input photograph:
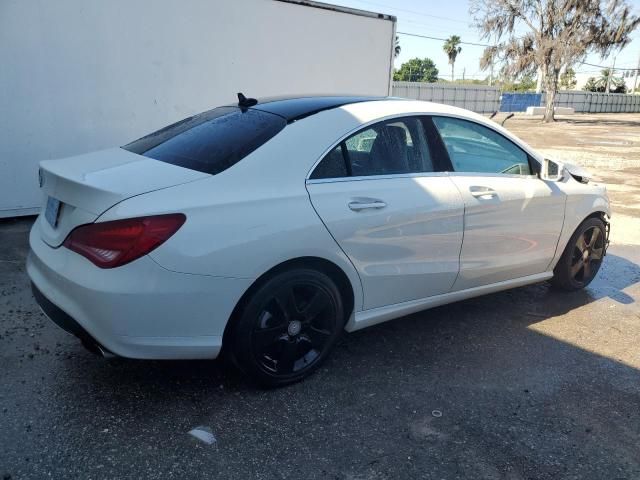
(590, 102)
(481, 99)
(484, 99)
(519, 102)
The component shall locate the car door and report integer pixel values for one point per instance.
(513, 219)
(397, 219)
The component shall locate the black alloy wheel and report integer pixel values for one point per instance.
(582, 257)
(587, 255)
(288, 327)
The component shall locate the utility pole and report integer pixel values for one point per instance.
(635, 77)
(611, 72)
(464, 69)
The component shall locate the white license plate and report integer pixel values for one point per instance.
(52, 210)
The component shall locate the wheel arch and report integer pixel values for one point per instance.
(563, 241)
(597, 214)
(337, 274)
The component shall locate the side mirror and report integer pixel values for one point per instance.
(551, 170)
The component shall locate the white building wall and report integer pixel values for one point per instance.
(79, 76)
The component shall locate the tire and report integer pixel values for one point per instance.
(287, 327)
(582, 257)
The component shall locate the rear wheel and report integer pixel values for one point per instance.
(582, 257)
(287, 327)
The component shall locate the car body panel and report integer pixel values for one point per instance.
(512, 231)
(583, 200)
(139, 310)
(405, 250)
(89, 184)
(367, 318)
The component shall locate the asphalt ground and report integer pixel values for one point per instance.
(525, 384)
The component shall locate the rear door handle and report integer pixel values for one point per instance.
(486, 192)
(357, 206)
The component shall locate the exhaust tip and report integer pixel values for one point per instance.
(97, 349)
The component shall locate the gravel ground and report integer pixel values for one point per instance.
(529, 383)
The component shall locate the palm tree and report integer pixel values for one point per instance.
(609, 83)
(605, 79)
(452, 49)
(396, 47)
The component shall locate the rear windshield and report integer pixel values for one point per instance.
(211, 141)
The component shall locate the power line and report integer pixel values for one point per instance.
(604, 66)
(467, 31)
(443, 39)
(486, 45)
(412, 11)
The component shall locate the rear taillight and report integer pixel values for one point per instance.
(115, 243)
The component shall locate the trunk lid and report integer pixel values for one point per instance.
(87, 185)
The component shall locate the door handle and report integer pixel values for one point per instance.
(357, 206)
(486, 192)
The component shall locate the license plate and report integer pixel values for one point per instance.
(52, 211)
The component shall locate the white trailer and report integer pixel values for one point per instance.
(79, 76)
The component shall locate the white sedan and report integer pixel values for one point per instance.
(265, 229)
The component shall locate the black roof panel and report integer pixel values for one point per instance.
(293, 109)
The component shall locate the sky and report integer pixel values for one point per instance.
(442, 18)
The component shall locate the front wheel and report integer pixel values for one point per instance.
(582, 257)
(287, 327)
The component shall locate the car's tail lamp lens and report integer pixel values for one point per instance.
(116, 243)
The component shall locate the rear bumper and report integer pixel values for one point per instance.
(64, 321)
(139, 310)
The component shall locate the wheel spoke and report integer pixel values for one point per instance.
(287, 359)
(266, 337)
(576, 267)
(267, 319)
(581, 244)
(287, 303)
(317, 336)
(596, 253)
(595, 233)
(315, 306)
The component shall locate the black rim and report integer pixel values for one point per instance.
(587, 255)
(294, 328)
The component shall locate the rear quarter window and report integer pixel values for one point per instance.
(211, 141)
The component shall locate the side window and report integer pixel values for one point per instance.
(331, 166)
(392, 147)
(475, 148)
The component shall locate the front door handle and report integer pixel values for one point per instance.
(482, 192)
(375, 204)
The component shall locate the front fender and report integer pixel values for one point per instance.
(583, 201)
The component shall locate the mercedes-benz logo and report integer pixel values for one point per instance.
(294, 328)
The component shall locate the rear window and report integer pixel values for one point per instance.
(211, 141)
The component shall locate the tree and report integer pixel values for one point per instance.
(452, 49)
(524, 84)
(568, 79)
(417, 70)
(605, 79)
(591, 85)
(396, 47)
(550, 34)
(616, 85)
